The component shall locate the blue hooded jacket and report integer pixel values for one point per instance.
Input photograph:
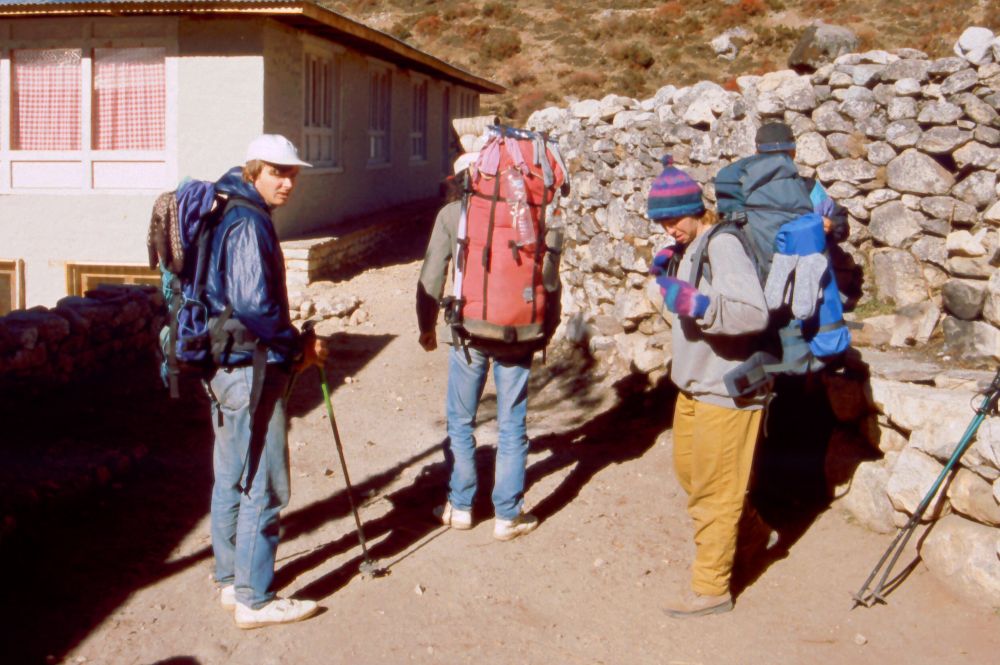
(249, 274)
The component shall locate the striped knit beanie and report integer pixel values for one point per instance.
(674, 194)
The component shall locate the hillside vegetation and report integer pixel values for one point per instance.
(549, 51)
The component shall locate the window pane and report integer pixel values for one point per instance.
(130, 99)
(46, 99)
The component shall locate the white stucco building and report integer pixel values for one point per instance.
(105, 104)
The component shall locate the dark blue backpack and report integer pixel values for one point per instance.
(765, 203)
(181, 229)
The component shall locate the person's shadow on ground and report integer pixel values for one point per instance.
(588, 448)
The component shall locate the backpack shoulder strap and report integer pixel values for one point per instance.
(700, 265)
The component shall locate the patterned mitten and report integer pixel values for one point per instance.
(662, 259)
(681, 298)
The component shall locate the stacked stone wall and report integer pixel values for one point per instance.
(109, 329)
(909, 145)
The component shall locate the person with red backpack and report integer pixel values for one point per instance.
(716, 318)
(504, 308)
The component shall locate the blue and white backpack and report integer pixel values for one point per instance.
(764, 202)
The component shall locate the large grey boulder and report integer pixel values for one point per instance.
(978, 189)
(895, 225)
(964, 298)
(915, 324)
(915, 172)
(962, 554)
(865, 498)
(991, 300)
(975, 45)
(898, 276)
(941, 140)
(972, 496)
(855, 171)
(971, 339)
(910, 479)
(821, 44)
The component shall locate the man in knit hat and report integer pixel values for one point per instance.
(714, 323)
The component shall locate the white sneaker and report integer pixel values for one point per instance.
(279, 610)
(227, 596)
(453, 517)
(511, 529)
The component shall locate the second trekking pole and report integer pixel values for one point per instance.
(867, 595)
(368, 567)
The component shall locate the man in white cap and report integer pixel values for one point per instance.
(260, 350)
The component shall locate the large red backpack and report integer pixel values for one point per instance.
(499, 294)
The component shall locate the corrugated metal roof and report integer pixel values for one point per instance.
(301, 14)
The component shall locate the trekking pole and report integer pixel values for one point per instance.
(368, 567)
(868, 597)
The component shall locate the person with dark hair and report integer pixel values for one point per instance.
(778, 137)
(715, 322)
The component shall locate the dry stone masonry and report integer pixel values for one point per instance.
(911, 147)
(908, 144)
(110, 328)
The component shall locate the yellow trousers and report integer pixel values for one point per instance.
(713, 456)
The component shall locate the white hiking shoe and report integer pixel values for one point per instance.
(453, 517)
(511, 529)
(227, 596)
(279, 610)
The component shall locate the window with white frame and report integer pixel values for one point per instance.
(418, 121)
(88, 116)
(321, 110)
(379, 115)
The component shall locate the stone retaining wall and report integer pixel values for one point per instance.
(911, 415)
(80, 338)
(909, 145)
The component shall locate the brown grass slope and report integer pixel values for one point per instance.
(549, 51)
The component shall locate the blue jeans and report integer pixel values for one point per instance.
(245, 528)
(465, 388)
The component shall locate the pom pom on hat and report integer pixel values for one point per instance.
(674, 194)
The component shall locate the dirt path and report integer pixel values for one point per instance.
(122, 574)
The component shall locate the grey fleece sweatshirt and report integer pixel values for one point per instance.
(705, 349)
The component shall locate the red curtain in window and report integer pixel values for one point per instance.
(130, 101)
(46, 99)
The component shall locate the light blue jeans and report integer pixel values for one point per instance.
(245, 528)
(465, 388)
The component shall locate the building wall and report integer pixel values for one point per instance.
(229, 79)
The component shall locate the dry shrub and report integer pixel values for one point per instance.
(529, 102)
(583, 82)
(499, 44)
(429, 26)
(457, 12)
(473, 31)
(730, 84)
(752, 7)
(632, 53)
(498, 11)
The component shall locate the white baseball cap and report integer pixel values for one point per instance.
(274, 149)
